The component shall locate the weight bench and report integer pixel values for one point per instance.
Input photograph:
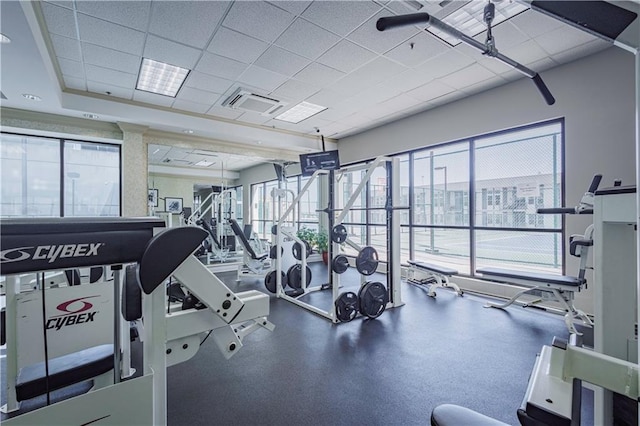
(562, 287)
(437, 276)
(92, 363)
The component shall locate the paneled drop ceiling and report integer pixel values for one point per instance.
(327, 53)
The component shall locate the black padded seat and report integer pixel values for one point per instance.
(455, 415)
(434, 268)
(245, 242)
(533, 276)
(64, 371)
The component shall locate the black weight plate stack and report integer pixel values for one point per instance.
(273, 252)
(347, 306)
(339, 234)
(297, 250)
(271, 283)
(367, 261)
(294, 276)
(340, 264)
(373, 298)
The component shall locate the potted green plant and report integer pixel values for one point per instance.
(307, 235)
(322, 244)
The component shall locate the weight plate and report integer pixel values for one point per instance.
(270, 281)
(340, 264)
(367, 261)
(347, 306)
(339, 234)
(294, 276)
(274, 230)
(273, 253)
(297, 250)
(373, 298)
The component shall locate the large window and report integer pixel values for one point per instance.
(510, 174)
(55, 177)
(262, 207)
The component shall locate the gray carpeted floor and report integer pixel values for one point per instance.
(392, 370)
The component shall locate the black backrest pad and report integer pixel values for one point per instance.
(165, 252)
(245, 243)
(131, 295)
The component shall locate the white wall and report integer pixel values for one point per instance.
(595, 95)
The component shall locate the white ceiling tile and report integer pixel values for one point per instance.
(562, 39)
(316, 73)
(64, 3)
(153, 98)
(109, 58)
(430, 91)
(450, 97)
(65, 47)
(335, 114)
(110, 35)
(381, 41)
(467, 76)
(296, 7)
(133, 14)
(228, 113)
(220, 66)
(249, 18)
(424, 47)
(71, 68)
(446, 63)
(346, 56)
(232, 44)
(534, 23)
(198, 96)
(340, 17)
(110, 77)
(483, 86)
(581, 51)
(494, 65)
(295, 90)
(262, 78)
(253, 118)
(407, 80)
(348, 86)
(543, 65)
(281, 61)
(188, 22)
(74, 82)
(525, 53)
(116, 91)
(190, 106)
(505, 35)
(326, 97)
(59, 20)
(170, 52)
(207, 82)
(306, 39)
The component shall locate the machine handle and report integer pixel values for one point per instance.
(595, 183)
(402, 20)
(544, 90)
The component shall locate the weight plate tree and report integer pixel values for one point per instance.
(373, 297)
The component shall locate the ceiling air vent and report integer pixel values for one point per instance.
(246, 100)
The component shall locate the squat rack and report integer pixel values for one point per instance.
(336, 216)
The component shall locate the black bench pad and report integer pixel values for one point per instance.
(533, 276)
(434, 268)
(64, 371)
(455, 415)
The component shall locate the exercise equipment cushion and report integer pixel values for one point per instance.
(131, 295)
(455, 415)
(64, 371)
(533, 276)
(433, 268)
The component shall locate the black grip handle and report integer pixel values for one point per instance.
(557, 210)
(544, 90)
(595, 182)
(402, 20)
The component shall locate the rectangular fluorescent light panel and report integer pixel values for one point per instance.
(300, 112)
(469, 19)
(204, 163)
(158, 77)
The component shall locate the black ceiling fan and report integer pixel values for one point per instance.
(488, 48)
